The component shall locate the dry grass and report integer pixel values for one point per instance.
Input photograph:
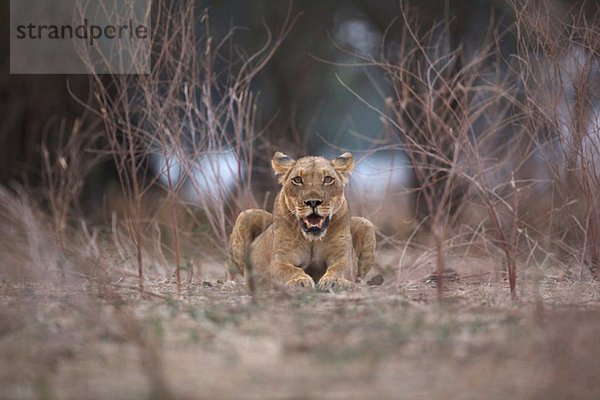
(377, 342)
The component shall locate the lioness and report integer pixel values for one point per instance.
(310, 236)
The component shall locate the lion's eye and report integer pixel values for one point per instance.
(328, 180)
(297, 180)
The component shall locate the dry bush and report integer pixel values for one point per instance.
(507, 143)
(189, 127)
(559, 54)
(454, 111)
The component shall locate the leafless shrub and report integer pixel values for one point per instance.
(454, 111)
(560, 70)
(188, 126)
(483, 129)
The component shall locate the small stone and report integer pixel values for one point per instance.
(377, 280)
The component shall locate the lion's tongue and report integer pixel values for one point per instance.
(314, 220)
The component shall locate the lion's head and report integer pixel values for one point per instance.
(313, 189)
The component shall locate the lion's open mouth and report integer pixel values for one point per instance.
(314, 223)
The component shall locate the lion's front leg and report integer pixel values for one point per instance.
(335, 276)
(340, 262)
(333, 282)
(290, 275)
(248, 226)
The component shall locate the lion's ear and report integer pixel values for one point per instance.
(343, 164)
(281, 163)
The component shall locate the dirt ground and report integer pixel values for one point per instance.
(394, 341)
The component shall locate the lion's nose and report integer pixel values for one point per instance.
(313, 203)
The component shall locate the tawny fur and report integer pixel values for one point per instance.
(277, 251)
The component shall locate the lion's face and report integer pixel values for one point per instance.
(313, 189)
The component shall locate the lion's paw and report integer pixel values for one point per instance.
(302, 281)
(328, 283)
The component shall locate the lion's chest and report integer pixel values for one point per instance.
(313, 262)
(313, 255)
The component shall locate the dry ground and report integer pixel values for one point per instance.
(396, 341)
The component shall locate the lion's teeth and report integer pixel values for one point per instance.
(314, 221)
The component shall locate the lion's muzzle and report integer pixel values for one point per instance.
(314, 224)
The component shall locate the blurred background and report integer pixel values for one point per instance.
(302, 99)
